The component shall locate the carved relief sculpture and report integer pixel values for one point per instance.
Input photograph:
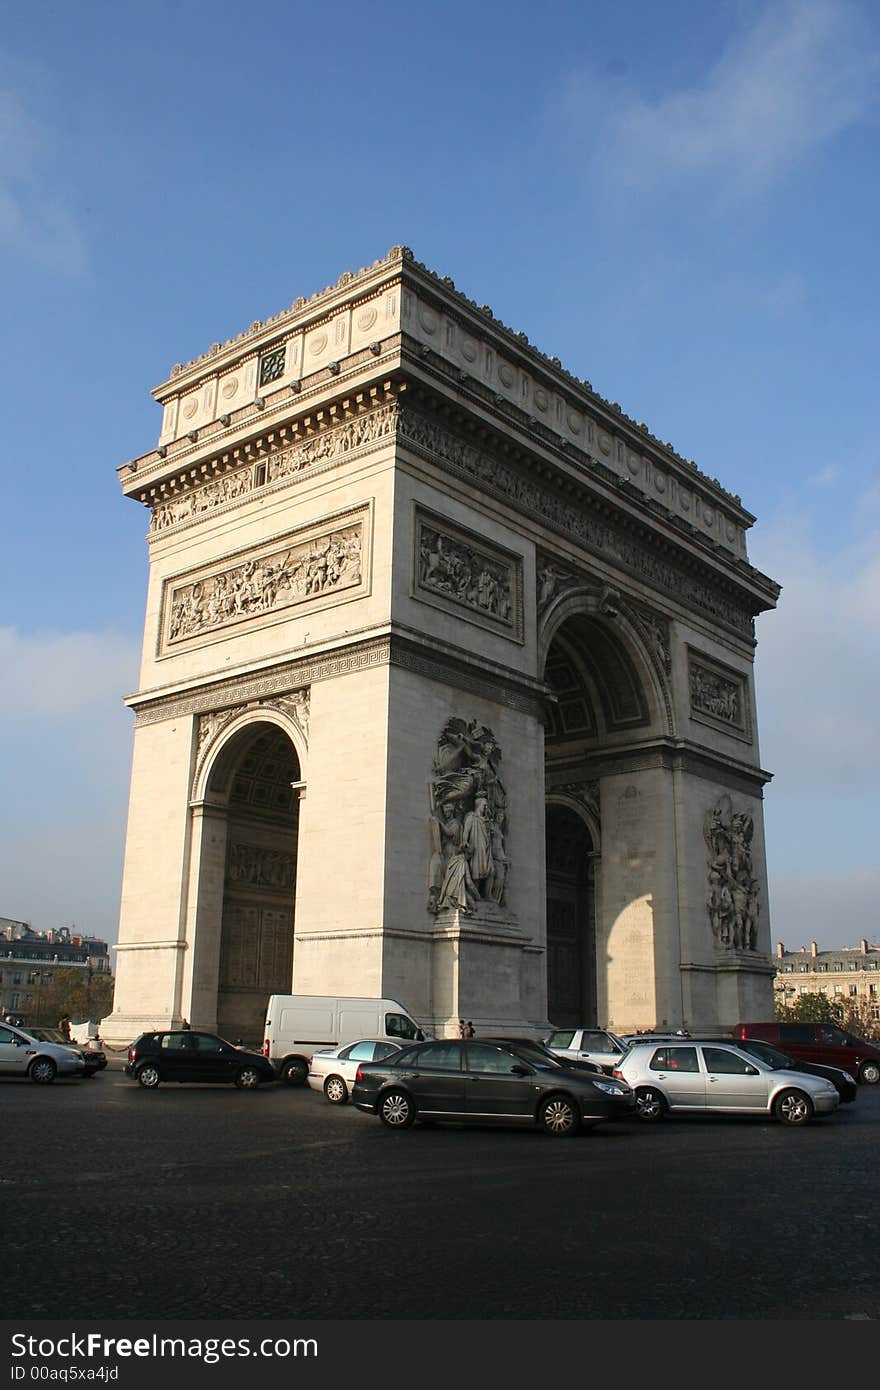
(468, 819)
(333, 443)
(453, 569)
(282, 579)
(259, 867)
(732, 900)
(714, 694)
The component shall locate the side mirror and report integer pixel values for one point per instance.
(752, 1071)
(519, 1070)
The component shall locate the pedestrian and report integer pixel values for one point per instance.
(462, 1028)
(64, 1026)
(470, 1031)
(187, 1027)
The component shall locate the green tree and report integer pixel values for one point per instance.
(807, 1008)
(80, 993)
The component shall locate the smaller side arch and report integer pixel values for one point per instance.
(218, 735)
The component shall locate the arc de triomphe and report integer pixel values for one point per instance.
(446, 690)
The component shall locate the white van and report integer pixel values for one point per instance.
(299, 1024)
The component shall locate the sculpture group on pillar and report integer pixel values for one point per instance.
(468, 820)
(733, 889)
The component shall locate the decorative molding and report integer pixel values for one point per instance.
(315, 563)
(609, 539)
(331, 444)
(719, 695)
(464, 574)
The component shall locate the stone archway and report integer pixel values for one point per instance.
(571, 920)
(608, 705)
(253, 792)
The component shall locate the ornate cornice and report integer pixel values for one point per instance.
(403, 648)
(668, 754)
(575, 511)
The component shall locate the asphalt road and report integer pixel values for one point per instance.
(209, 1202)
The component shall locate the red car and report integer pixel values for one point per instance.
(820, 1042)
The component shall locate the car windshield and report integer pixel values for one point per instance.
(774, 1059)
(50, 1035)
(534, 1052)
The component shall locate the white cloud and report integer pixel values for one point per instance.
(58, 675)
(818, 661)
(34, 218)
(804, 72)
(65, 748)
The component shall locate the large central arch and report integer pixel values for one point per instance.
(608, 700)
(245, 844)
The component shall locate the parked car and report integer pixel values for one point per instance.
(486, 1082)
(542, 1051)
(334, 1068)
(841, 1080)
(299, 1025)
(595, 1045)
(824, 1043)
(700, 1077)
(94, 1059)
(189, 1056)
(23, 1055)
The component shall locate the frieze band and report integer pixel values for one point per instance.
(304, 567)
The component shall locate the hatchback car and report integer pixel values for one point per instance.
(486, 1083)
(594, 1045)
(191, 1056)
(701, 1077)
(94, 1059)
(841, 1080)
(23, 1055)
(333, 1069)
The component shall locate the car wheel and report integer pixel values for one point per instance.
(43, 1070)
(248, 1079)
(869, 1073)
(396, 1110)
(294, 1072)
(558, 1116)
(336, 1090)
(650, 1104)
(793, 1108)
(149, 1076)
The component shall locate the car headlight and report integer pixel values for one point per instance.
(611, 1088)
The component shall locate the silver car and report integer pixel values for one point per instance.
(596, 1045)
(334, 1069)
(698, 1077)
(22, 1055)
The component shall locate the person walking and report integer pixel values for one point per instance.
(64, 1026)
(470, 1031)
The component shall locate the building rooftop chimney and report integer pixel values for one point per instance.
(780, 950)
(864, 945)
(814, 949)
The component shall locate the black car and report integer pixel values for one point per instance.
(541, 1050)
(190, 1056)
(486, 1082)
(843, 1083)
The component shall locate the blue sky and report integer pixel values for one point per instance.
(679, 200)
